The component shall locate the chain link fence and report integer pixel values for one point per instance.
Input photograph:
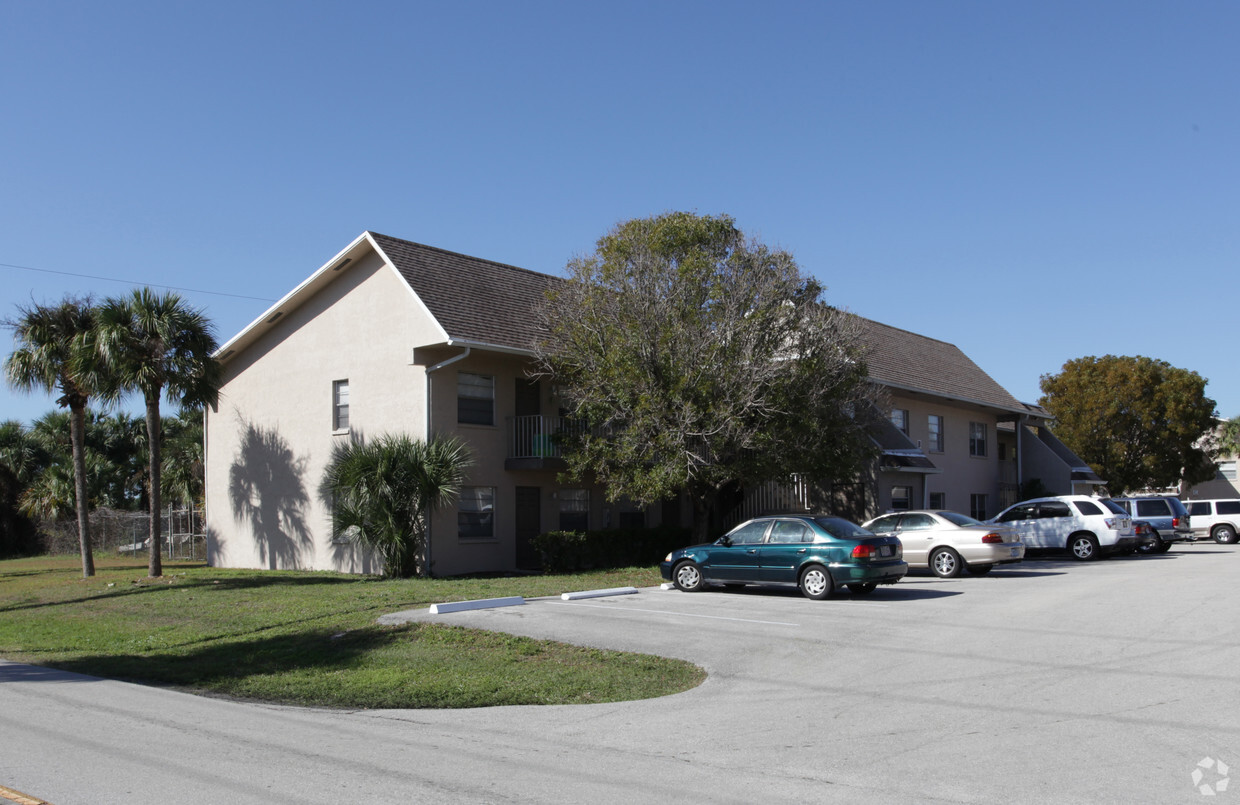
(126, 533)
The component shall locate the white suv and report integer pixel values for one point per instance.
(1217, 519)
(1081, 525)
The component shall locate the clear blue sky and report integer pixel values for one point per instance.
(1033, 182)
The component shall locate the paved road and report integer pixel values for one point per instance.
(1048, 682)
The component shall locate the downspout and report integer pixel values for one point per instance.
(205, 542)
(1020, 454)
(429, 370)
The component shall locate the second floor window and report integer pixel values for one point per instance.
(977, 438)
(899, 418)
(475, 399)
(340, 405)
(936, 433)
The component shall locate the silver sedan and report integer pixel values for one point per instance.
(948, 542)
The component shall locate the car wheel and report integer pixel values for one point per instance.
(1083, 547)
(1224, 535)
(945, 563)
(862, 589)
(687, 576)
(1163, 546)
(1157, 546)
(815, 582)
(979, 570)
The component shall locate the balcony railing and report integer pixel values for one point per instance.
(540, 436)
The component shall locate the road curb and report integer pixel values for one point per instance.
(599, 593)
(482, 603)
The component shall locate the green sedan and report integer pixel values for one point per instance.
(815, 553)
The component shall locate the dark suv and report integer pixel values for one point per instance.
(1167, 517)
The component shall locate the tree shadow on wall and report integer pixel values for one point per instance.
(267, 488)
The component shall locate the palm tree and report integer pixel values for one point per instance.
(182, 472)
(159, 346)
(52, 354)
(382, 493)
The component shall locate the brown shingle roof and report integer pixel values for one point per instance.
(901, 359)
(471, 298)
(493, 303)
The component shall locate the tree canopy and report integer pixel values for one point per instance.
(55, 344)
(158, 345)
(702, 359)
(1139, 422)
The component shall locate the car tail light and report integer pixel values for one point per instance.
(992, 538)
(864, 551)
(1175, 522)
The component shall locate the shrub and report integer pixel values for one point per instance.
(569, 551)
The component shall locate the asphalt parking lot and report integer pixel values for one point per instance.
(1048, 681)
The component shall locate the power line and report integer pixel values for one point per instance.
(130, 282)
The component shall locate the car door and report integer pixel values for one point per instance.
(785, 550)
(917, 536)
(1053, 524)
(737, 558)
(1021, 519)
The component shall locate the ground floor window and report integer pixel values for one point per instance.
(574, 509)
(901, 498)
(938, 500)
(475, 513)
(977, 506)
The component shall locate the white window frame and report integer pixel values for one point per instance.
(473, 386)
(479, 502)
(574, 502)
(902, 425)
(340, 406)
(977, 439)
(906, 497)
(934, 433)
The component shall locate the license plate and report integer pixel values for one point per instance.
(887, 550)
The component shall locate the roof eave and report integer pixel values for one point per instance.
(294, 298)
(955, 398)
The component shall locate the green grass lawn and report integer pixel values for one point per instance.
(311, 638)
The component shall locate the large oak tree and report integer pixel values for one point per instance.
(702, 360)
(1139, 422)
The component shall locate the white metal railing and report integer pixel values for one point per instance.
(792, 495)
(540, 436)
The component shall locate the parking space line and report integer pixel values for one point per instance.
(680, 614)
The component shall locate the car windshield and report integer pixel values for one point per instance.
(1112, 506)
(839, 527)
(956, 518)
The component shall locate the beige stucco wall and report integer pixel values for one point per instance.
(271, 435)
(962, 475)
(270, 438)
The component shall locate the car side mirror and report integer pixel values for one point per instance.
(725, 541)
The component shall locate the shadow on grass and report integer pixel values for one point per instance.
(223, 663)
(176, 583)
